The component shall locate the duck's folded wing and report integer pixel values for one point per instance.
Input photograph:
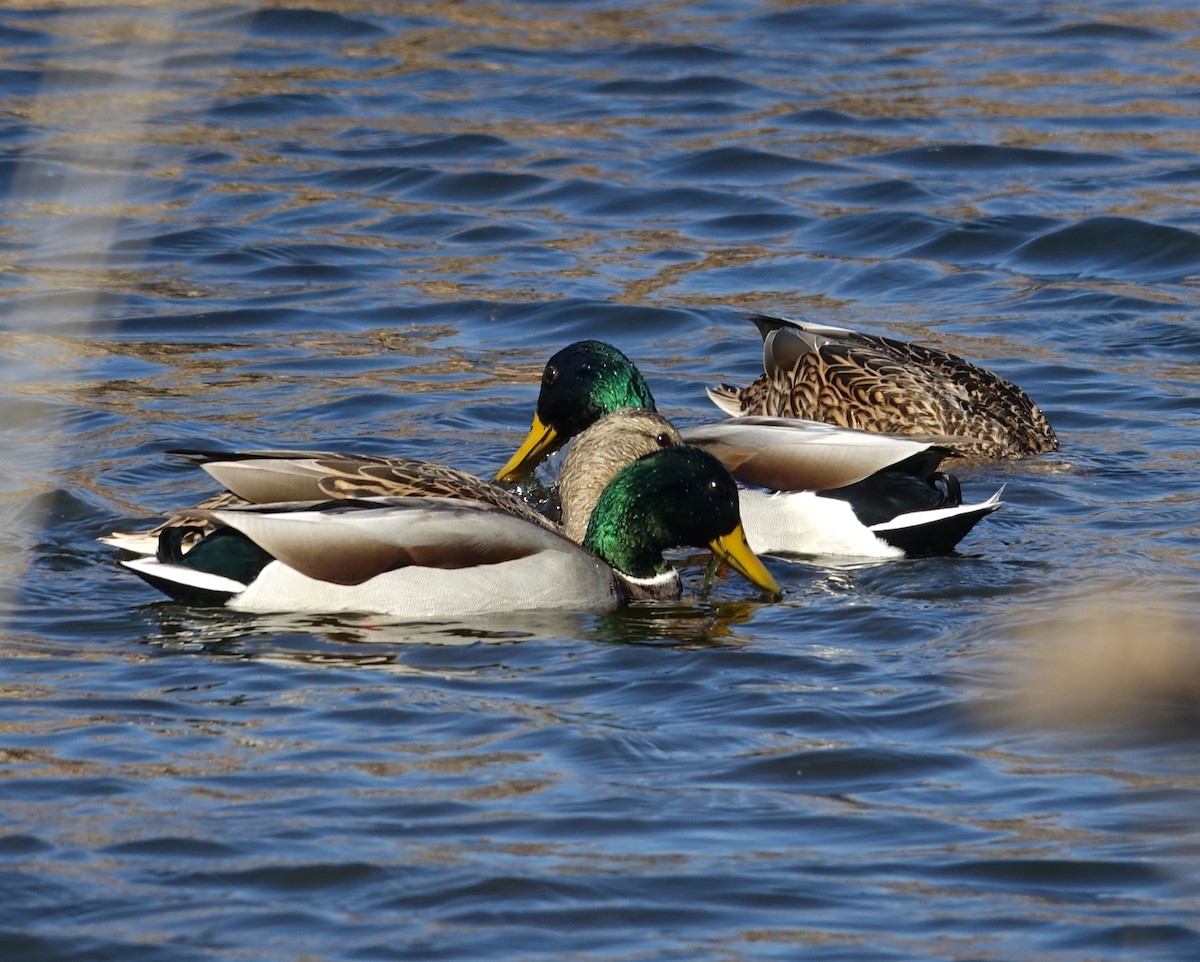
(267, 477)
(923, 384)
(786, 338)
(270, 476)
(348, 542)
(899, 382)
(792, 455)
(405, 477)
(817, 333)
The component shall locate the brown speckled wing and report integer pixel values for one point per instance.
(886, 386)
(360, 477)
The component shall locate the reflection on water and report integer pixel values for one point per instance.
(358, 227)
(236, 633)
(341, 640)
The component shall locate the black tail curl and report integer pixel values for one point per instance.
(175, 540)
(951, 489)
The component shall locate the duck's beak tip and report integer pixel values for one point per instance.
(733, 549)
(538, 443)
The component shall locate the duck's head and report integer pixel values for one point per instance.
(580, 384)
(676, 497)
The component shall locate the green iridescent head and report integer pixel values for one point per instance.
(677, 497)
(580, 384)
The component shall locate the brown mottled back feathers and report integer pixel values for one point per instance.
(361, 476)
(595, 458)
(354, 476)
(878, 384)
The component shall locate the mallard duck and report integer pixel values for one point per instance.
(423, 557)
(269, 476)
(878, 384)
(818, 489)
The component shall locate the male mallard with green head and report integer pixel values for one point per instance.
(420, 557)
(820, 490)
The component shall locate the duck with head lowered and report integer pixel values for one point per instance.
(880, 384)
(272, 476)
(448, 557)
(811, 489)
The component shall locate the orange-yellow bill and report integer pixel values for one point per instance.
(539, 442)
(733, 550)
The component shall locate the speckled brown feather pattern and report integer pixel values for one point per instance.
(360, 476)
(878, 384)
(222, 499)
(363, 477)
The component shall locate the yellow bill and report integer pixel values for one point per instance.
(733, 550)
(539, 442)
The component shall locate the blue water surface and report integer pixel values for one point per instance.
(365, 226)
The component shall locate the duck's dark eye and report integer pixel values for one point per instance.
(663, 440)
(549, 376)
(714, 485)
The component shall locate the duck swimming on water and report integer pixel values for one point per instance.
(878, 384)
(809, 488)
(433, 557)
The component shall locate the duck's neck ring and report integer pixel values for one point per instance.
(657, 587)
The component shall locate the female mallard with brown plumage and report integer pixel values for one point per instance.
(878, 384)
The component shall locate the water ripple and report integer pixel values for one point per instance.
(737, 165)
(965, 158)
(1119, 247)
